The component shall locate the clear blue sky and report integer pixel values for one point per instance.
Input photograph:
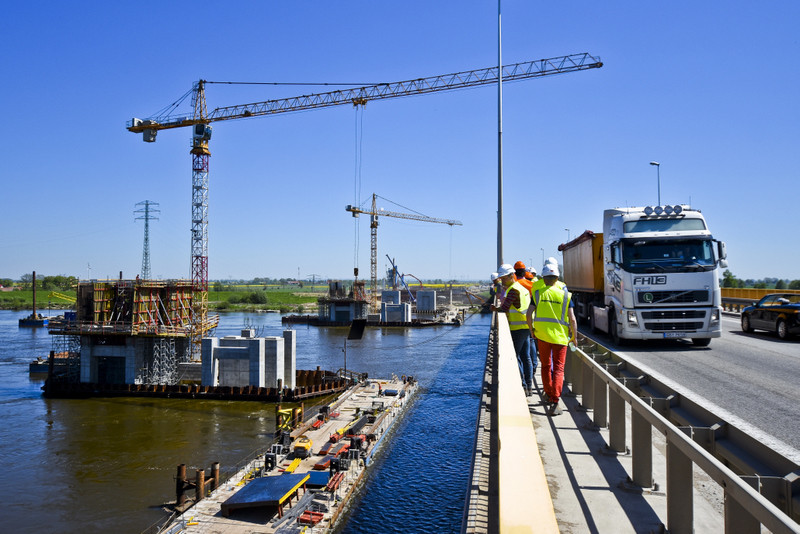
(709, 89)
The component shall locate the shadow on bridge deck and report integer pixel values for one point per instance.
(590, 484)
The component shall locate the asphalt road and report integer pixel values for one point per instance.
(752, 377)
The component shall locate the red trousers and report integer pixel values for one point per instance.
(552, 358)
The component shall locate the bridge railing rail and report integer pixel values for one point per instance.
(694, 437)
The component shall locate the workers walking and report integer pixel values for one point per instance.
(554, 327)
(515, 304)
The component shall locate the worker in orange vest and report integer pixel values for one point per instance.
(526, 279)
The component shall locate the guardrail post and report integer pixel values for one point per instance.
(680, 502)
(587, 395)
(575, 373)
(641, 450)
(600, 403)
(737, 519)
(616, 431)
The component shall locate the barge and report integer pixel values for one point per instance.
(309, 477)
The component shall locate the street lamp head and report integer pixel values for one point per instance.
(657, 164)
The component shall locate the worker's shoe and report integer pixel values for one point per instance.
(554, 409)
(545, 398)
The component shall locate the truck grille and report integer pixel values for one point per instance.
(671, 297)
(678, 327)
(674, 314)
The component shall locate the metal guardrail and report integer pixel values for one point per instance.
(738, 463)
(752, 294)
(734, 299)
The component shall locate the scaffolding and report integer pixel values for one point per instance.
(155, 316)
(67, 351)
(164, 366)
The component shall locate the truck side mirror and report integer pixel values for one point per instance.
(722, 250)
(723, 263)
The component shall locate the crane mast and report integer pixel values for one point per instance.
(201, 134)
(200, 120)
(373, 241)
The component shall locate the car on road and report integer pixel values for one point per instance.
(776, 312)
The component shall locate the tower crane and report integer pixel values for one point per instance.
(200, 121)
(373, 242)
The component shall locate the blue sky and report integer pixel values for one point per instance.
(708, 89)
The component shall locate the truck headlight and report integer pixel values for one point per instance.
(714, 316)
(632, 320)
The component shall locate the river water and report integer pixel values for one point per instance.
(108, 465)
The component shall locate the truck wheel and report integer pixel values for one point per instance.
(612, 327)
(701, 341)
(782, 330)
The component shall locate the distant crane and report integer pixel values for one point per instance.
(395, 276)
(373, 225)
(200, 121)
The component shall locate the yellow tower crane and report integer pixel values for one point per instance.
(373, 242)
(200, 119)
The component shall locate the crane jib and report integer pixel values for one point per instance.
(360, 95)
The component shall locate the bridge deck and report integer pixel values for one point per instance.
(588, 484)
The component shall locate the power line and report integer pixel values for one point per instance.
(146, 214)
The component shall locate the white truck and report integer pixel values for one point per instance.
(652, 274)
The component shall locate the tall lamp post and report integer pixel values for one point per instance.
(658, 175)
(499, 138)
(567, 229)
(542, 255)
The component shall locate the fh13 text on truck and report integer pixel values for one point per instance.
(652, 274)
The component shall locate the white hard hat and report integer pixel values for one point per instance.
(493, 276)
(550, 269)
(551, 260)
(505, 270)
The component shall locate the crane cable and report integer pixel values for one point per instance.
(359, 136)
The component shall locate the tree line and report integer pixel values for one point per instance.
(730, 280)
(25, 282)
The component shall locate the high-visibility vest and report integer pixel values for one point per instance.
(517, 318)
(527, 284)
(540, 285)
(551, 323)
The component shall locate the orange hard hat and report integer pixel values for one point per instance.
(519, 265)
(529, 275)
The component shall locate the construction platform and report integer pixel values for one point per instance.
(308, 480)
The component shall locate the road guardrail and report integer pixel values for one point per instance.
(761, 487)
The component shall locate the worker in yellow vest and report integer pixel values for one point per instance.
(515, 305)
(554, 327)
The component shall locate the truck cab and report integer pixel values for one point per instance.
(661, 275)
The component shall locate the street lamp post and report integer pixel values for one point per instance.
(658, 175)
(542, 255)
(567, 229)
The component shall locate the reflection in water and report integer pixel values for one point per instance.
(109, 464)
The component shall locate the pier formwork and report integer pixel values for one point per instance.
(129, 331)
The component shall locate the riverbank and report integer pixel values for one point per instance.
(234, 300)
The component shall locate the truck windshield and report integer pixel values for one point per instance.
(667, 255)
(664, 225)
